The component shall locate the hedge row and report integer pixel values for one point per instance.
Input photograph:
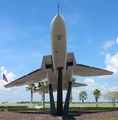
(48, 109)
(94, 108)
(19, 109)
(86, 108)
(5, 107)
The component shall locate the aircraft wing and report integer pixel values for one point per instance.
(30, 78)
(83, 70)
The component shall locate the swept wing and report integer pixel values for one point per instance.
(84, 70)
(32, 77)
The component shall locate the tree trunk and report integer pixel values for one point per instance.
(82, 102)
(96, 102)
(31, 96)
(71, 97)
(113, 102)
(43, 99)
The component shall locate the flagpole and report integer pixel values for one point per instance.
(2, 92)
(1, 96)
(17, 95)
(4, 78)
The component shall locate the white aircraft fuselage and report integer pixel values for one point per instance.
(59, 43)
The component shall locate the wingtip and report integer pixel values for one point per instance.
(5, 86)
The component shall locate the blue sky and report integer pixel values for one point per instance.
(25, 38)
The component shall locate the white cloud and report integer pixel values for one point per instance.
(91, 85)
(114, 88)
(112, 65)
(108, 44)
(3, 70)
(116, 40)
(108, 88)
(89, 80)
(112, 62)
(10, 76)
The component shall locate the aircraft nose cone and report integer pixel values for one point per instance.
(58, 22)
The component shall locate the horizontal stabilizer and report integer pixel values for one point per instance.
(44, 88)
(54, 87)
(30, 78)
(83, 70)
(74, 84)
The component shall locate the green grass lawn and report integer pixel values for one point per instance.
(93, 105)
(71, 105)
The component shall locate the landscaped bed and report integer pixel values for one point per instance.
(77, 113)
(37, 116)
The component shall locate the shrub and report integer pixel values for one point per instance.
(94, 108)
(21, 109)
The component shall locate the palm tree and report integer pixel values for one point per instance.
(31, 87)
(97, 95)
(83, 96)
(73, 80)
(41, 84)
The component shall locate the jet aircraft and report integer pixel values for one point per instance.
(58, 69)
